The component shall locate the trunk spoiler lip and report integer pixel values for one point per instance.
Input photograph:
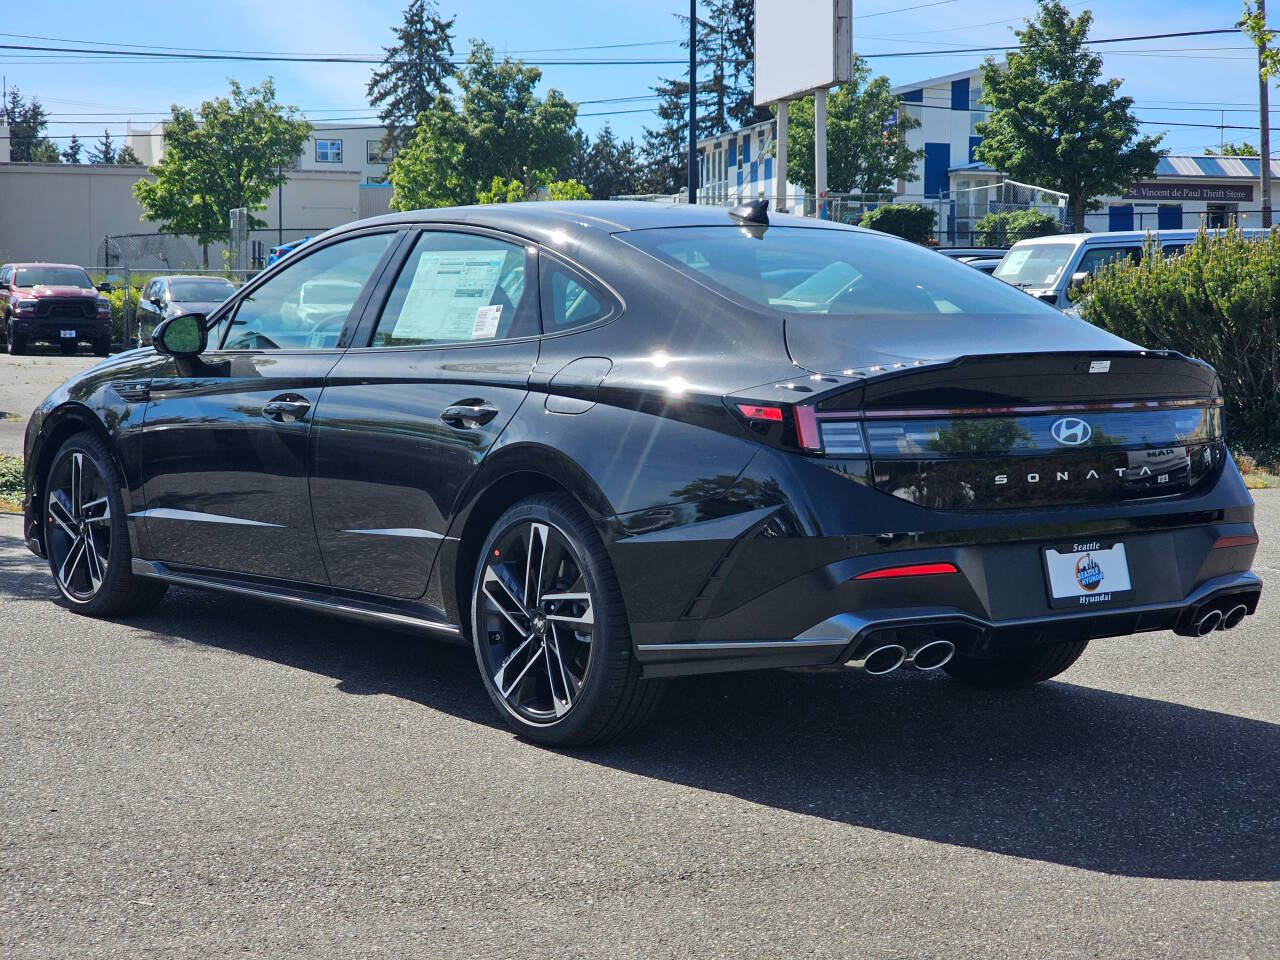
(905, 366)
(1020, 410)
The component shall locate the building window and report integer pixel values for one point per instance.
(375, 154)
(328, 151)
(375, 181)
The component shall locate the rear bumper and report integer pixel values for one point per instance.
(847, 636)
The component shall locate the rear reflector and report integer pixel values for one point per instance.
(910, 570)
(807, 433)
(1245, 541)
(757, 412)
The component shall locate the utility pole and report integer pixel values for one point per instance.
(1264, 121)
(693, 101)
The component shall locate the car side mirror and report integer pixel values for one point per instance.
(156, 301)
(182, 336)
(104, 287)
(1078, 279)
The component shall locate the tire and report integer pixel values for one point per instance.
(68, 349)
(1022, 668)
(83, 507)
(102, 348)
(592, 690)
(17, 344)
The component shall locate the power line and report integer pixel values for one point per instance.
(364, 59)
(918, 6)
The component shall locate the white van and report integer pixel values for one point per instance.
(1047, 267)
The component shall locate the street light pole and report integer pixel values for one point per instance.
(693, 101)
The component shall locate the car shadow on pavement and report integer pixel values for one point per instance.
(1062, 773)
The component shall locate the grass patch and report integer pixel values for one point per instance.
(10, 483)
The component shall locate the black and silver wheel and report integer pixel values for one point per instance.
(86, 537)
(549, 629)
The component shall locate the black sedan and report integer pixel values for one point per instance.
(606, 444)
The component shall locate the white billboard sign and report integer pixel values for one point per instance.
(801, 46)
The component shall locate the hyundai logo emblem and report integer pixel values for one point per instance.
(1071, 431)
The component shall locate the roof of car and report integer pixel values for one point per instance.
(1127, 236)
(607, 215)
(41, 263)
(193, 276)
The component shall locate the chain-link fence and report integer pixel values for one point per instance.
(128, 263)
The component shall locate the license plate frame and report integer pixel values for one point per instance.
(67, 334)
(1073, 581)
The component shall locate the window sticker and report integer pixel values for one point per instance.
(486, 325)
(448, 291)
(1016, 259)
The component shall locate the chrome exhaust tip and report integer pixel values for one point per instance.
(1233, 616)
(934, 654)
(881, 660)
(1208, 621)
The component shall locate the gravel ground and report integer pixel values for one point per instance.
(227, 778)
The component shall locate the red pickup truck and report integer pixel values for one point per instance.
(55, 303)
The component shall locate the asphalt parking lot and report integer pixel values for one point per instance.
(223, 777)
(26, 380)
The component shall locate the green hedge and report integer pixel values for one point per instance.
(1006, 229)
(910, 221)
(1218, 301)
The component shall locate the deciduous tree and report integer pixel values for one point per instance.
(1055, 122)
(866, 136)
(229, 155)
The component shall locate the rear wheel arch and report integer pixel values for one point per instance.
(505, 481)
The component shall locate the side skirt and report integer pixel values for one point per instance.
(415, 618)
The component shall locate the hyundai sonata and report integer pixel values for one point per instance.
(606, 444)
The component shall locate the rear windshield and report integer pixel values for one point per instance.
(192, 291)
(804, 270)
(52, 277)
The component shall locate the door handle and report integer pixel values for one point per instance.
(469, 414)
(287, 408)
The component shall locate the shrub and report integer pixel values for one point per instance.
(1219, 302)
(1006, 229)
(910, 221)
(10, 478)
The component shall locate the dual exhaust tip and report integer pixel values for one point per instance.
(1216, 618)
(888, 657)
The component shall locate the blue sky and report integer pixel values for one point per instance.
(1188, 80)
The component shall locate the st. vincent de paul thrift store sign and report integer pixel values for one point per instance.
(1190, 191)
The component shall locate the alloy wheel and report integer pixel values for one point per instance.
(537, 619)
(79, 513)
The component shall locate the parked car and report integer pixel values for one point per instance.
(1050, 267)
(52, 303)
(165, 297)
(605, 444)
(278, 253)
(985, 265)
(973, 253)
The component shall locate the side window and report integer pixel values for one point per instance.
(457, 288)
(568, 299)
(1096, 258)
(305, 306)
(4, 277)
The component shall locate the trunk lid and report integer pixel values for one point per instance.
(1030, 429)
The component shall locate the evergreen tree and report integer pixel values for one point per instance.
(415, 71)
(127, 157)
(665, 148)
(74, 148)
(105, 150)
(741, 74)
(611, 167)
(27, 121)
